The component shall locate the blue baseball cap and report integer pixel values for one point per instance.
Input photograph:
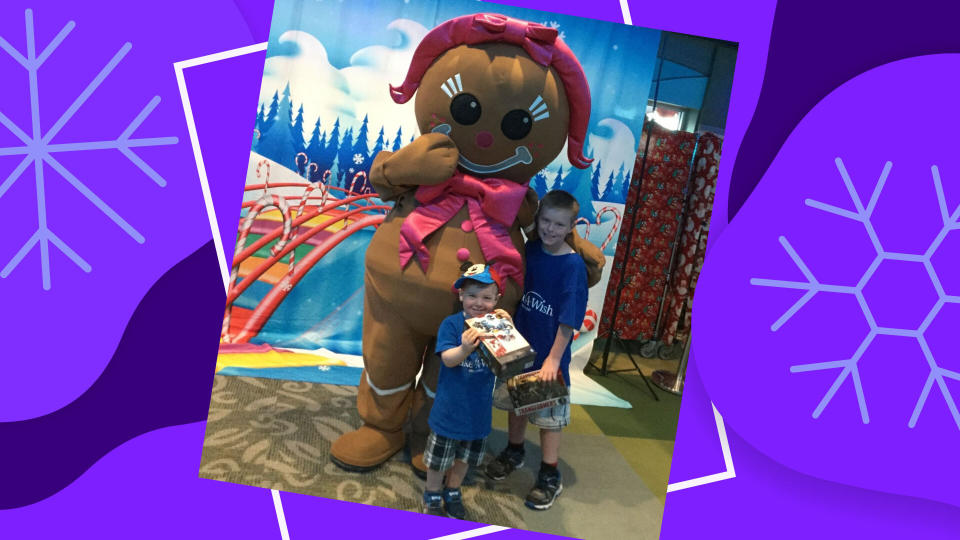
(482, 273)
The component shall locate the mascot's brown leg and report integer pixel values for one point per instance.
(392, 354)
(422, 402)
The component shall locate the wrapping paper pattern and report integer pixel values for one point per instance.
(693, 240)
(655, 204)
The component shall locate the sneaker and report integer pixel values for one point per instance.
(545, 491)
(508, 461)
(453, 503)
(433, 503)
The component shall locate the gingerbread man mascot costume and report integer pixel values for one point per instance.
(497, 98)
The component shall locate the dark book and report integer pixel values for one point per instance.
(528, 393)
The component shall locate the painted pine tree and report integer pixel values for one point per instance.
(578, 184)
(398, 140)
(595, 181)
(361, 148)
(289, 109)
(277, 143)
(262, 118)
(345, 164)
(625, 189)
(272, 115)
(558, 179)
(260, 126)
(315, 146)
(297, 131)
(609, 188)
(539, 183)
(614, 187)
(378, 147)
(329, 153)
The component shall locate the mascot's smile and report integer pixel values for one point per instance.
(521, 155)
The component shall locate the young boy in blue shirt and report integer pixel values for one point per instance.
(461, 415)
(553, 305)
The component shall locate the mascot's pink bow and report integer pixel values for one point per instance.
(536, 39)
(492, 203)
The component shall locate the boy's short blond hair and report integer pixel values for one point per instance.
(559, 199)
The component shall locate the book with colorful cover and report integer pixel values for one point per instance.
(502, 348)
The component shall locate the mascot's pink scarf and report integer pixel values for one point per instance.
(493, 204)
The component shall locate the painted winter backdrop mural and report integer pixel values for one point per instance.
(325, 112)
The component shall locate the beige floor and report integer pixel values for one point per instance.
(608, 442)
(615, 462)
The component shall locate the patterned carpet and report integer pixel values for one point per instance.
(277, 434)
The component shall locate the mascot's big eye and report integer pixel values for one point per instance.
(516, 124)
(465, 109)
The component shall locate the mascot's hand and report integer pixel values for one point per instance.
(528, 209)
(591, 254)
(428, 160)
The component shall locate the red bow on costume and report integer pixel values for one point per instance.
(492, 203)
(536, 39)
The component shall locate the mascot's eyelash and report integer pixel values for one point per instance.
(452, 86)
(538, 109)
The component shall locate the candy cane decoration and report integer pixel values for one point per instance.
(266, 180)
(266, 201)
(303, 203)
(325, 185)
(585, 221)
(296, 159)
(616, 224)
(354, 181)
(589, 323)
(589, 320)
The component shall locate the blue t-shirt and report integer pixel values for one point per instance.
(555, 293)
(462, 408)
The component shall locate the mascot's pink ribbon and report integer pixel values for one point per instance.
(493, 204)
(536, 39)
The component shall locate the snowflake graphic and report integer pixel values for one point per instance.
(358, 158)
(39, 149)
(848, 366)
(556, 26)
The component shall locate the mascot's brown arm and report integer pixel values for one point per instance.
(592, 257)
(528, 209)
(428, 160)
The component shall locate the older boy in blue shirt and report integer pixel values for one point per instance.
(553, 305)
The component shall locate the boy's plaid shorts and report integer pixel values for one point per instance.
(441, 451)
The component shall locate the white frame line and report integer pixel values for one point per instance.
(473, 533)
(281, 519)
(208, 199)
(727, 461)
(195, 142)
(625, 11)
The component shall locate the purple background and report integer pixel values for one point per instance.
(762, 400)
(137, 477)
